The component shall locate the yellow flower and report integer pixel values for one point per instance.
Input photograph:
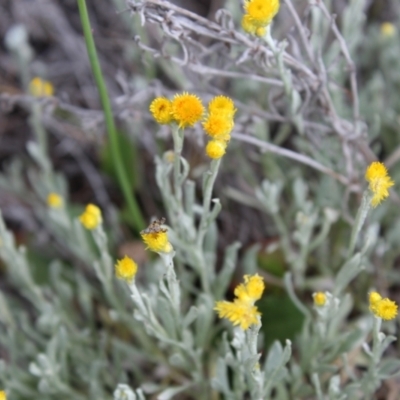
(91, 217)
(54, 200)
(247, 24)
(242, 310)
(126, 269)
(3, 395)
(251, 290)
(388, 29)
(156, 237)
(261, 31)
(379, 182)
(238, 313)
(161, 109)
(249, 27)
(374, 297)
(215, 149)
(38, 87)
(385, 309)
(187, 109)
(319, 299)
(218, 126)
(261, 12)
(222, 105)
(382, 308)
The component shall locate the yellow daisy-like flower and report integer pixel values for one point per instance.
(261, 31)
(126, 269)
(374, 297)
(218, 126)
(161, 109)
(251, 290)
(39, 87)
(54, 200)
(215, 149)
(222, 105)
(238, 313)
(388, 29)
(249, 27)
(91, 217)
(186, 109)
(3, 395)
(379, 182)
(261, 12)
(319, 299)
(382, 308)
(385, 309)
(247, 24)
(242, 310)
(156, 237)
(157, 241)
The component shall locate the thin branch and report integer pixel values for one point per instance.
(347, 56)
(292, 155)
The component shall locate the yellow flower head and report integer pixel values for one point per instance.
(38, 87)
(242, 310)
(218, 126)
(385, 309)
(156, 237)
(126, 269)
(161, 109)
(319, 299)
(374, 297)
(251, 290)
(215, 149)
(249, 27)
(3, 395)
(261, 31)
(187, 109)
(91, 217)
(247, 24)
(388, 29)
(222, 105)
(382, 308)
(238, 313)
(379, 182)
(54, 200)
(261, 12)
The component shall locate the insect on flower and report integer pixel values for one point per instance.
(155, 227)
(156, 237)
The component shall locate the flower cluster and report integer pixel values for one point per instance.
(259, 14)
(382, 308)
(91, 217)
(242, 310)
(3, 395)
(126, 269)
(39, 87)
(218, 125)
(379, 182)
(185, 109)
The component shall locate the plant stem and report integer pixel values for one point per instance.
(359, 222)
(109, 119)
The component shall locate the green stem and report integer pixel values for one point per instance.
(178, 145)
(109, 119)
(208, 187)
(359, 222)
